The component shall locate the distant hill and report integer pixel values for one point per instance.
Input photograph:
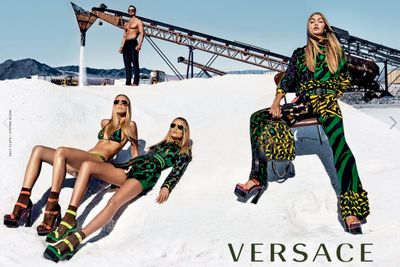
(27, 67)
(23, 68)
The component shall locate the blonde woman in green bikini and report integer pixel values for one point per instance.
(114, 134)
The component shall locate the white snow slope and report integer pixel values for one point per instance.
(202, 217)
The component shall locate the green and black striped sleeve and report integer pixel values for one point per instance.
(289, 80)
(178, 169)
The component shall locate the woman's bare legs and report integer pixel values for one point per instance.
(65, 160)
(39, 154)
(68, 159)
(129, 190)
(105, 172)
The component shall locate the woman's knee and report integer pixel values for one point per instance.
(42, 153)
(61, 152)
(38, 150)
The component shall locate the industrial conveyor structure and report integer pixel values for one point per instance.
(204, 68)
(372, 52)
(198, 41)
(362, 54)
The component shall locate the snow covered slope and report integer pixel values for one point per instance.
(202, 217)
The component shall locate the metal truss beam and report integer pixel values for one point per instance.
(201, 66)
(230, 49)
(366, 49)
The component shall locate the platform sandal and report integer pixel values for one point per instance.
(58, 235)
(65, 249)
(244, 195)
(24, 216)
(52, 218)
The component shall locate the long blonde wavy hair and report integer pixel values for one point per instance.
(115, 122)
(334, 51)
(184, 143)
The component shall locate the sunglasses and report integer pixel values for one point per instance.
(131, 10)
(180, 127)
(123, 102)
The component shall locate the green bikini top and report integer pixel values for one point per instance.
(116, 136)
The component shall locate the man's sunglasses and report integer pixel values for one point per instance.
(123, 102)
(180, 127)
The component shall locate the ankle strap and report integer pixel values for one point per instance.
(52, 212)
(69, 244)
(24, 192)
(52, 200)
(71, 212)
(69, 227)
(256, 181)
(78, 235)
(22, 205)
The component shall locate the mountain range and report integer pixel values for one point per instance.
(28, 67)
(25, 68)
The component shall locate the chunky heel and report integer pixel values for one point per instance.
(28, 222)
(258, 195)
(244, 195)
(24, 217)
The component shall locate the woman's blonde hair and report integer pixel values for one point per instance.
(115, 123)
(334, 51)
(184, 143)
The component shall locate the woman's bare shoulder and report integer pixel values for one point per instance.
(104, 122)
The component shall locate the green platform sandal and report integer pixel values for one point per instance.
(64, 250)
(58, 235)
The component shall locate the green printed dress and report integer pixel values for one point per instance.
(318, 93)
(147, 168)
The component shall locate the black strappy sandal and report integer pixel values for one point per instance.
(244, 195)
(354, 228)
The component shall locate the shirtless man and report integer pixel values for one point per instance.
(130, 47)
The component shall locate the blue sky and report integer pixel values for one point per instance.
(47, 31)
